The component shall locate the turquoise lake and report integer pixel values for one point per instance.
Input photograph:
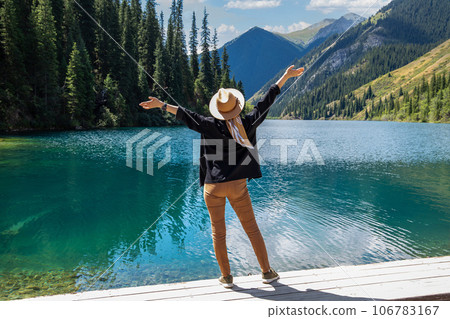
(69, 204)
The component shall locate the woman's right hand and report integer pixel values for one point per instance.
(289, 73)
(151, 103)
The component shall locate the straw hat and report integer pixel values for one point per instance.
(224, 104)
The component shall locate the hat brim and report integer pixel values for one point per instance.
(227, 115)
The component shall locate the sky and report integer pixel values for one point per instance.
(233, 17)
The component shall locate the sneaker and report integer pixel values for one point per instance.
(270, 276)
(227, 281)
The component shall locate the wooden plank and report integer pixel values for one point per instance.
(312, 276)
(203, 283)
(281, 288)
(380, 291)
(289, 280)
(324, 282)
(386, 267)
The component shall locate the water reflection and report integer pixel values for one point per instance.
(68, 203)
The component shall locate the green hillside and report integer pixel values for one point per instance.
(409, 76)
(302, 37)
(416, 92)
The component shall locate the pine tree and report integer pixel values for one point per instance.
(372, 109)
(240, 87)
(161, 26)
(444, 83)
(128, 80)
(161, 76)
(424, 86)
(370, 94)
(88, 27)
(149, 33)
(46, 64)
(225, 80)
(71, 32)
(174, 81)
(206, 76)
(79, 93)
(215, 63)
(434, 87)
(136, 15)
(184, 71)
(14, 87)
(115, 107)
(144, 90)
(57, 7)
(233, 83)
(161, 73)
(106, 52)
(193, 44)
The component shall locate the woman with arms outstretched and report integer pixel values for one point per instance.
(228, 157)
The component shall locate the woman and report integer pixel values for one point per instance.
(228, 157)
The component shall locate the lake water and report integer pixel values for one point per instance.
(69, 205)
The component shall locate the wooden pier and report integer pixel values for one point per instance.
(415, 279)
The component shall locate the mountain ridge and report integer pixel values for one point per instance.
(384, 42)
(256, 55)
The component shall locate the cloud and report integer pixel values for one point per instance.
(253, 4)
(226, 28)
(357, 6)
(275, 28)
(293, 27)
(227, 33)
(298, 26)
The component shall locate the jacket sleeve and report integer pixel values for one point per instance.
(259, 112)
(194, 121)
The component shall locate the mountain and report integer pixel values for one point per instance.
(398, 34)
(337, 27)
(303, 37)
(256, 55)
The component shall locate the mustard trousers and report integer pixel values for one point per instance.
(237, 193)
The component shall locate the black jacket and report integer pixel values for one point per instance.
(236, 161)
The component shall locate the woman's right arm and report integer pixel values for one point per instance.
(153, 102)
(194, 121)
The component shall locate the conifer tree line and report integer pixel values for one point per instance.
(427, 102)
(315, 104)
(61, 70)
